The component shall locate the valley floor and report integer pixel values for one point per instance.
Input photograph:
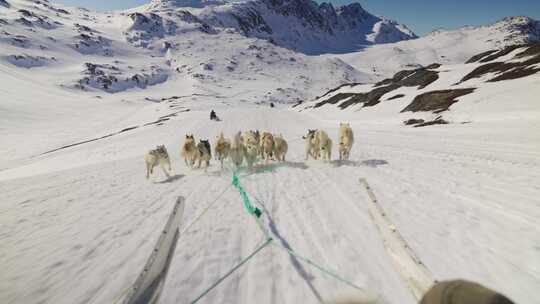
(77, 225)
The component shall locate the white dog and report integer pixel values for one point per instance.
(222, 149)
(318, 145)
(237, 151)
(160, 157)
(324, 143)
(251, 145)
(280, 147)
(346, 141)
(188, 150)
(311, 148)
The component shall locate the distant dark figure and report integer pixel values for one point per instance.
(213, 116)
(272, 105)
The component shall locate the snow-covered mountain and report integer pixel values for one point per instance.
(444, 46)
(474, 91)
(301, 25)
(146, 47)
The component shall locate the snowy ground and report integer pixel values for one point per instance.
(78, 224)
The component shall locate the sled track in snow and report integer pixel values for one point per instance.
(414, 272)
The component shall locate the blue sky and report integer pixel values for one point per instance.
(422, 16)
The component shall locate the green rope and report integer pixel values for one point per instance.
(256, 212)
(266, 243)
(322, 269)
(247, 203)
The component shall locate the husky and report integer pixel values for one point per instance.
(188, 150)
(237, 152)
(324, 144)
(222, 148)
(280, 147)
(160, 157)
(267, 146)
(251, 145)
(203, 154)
(346, 141)
(311, 145)
(318, 145)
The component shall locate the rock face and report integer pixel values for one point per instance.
(112, 79)
(524, 63)
(420, 78)
(436, 101)
(521, 30)
(302, 25)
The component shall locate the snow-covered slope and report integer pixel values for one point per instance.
(444, 46)
(108, 61)
(301, 25)
(478, 90)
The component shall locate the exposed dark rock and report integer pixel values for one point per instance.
(433, 66)
(335, 99)
(396, 96)
(510, 70)
(250, 21)
(20, 41)
(397, 77)
(421, 77)
(437, 121)
(3, 22)
(83, 28)
(27, 13)
(188, 17)
(24, 22)
(413, 121)
(337, 88)
(4, 3)
(475, 58)
(438, 101)
(501, 53)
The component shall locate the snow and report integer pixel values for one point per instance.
(78, 219)
(442, 46)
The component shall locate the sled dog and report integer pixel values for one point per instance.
(236, 153)
(346, 141)
(311, 149)
(280, 147)
(203, 154)
(160, 157)
(318, 145)
(324, 144)
(251, 145)
(188, 150)
(267, 146)
(222, 149)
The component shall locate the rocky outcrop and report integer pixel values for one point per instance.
(420, 78)
(524, 63)
(112, 79)
(436, 101)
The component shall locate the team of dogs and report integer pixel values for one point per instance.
(250, 146)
